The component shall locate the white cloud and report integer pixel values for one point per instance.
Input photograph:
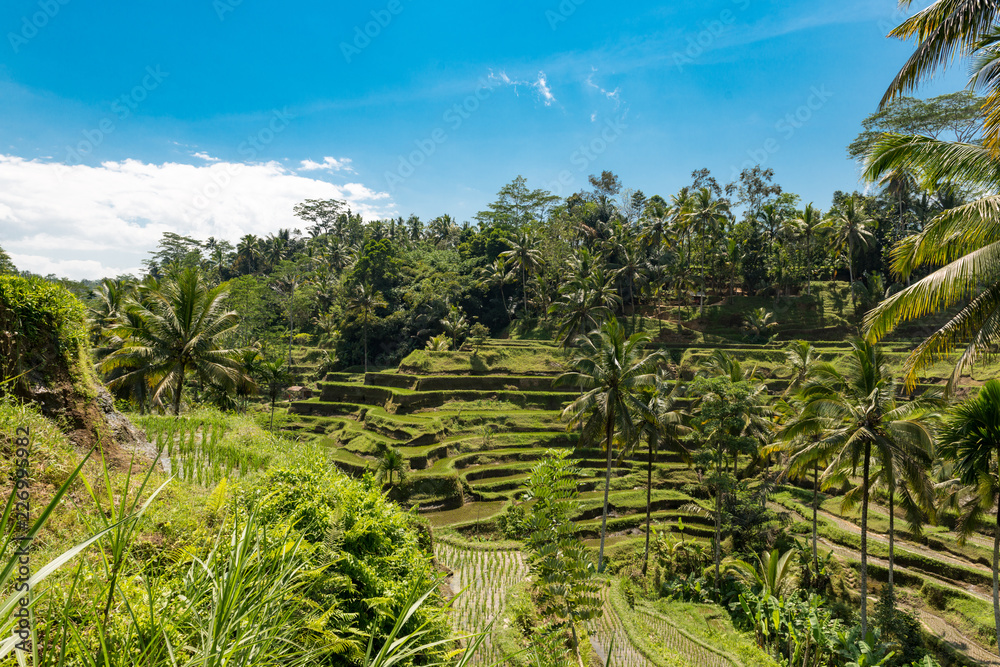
(328, 164)
(205, 156)
(613, 95)
(540, 84)
(90, 222)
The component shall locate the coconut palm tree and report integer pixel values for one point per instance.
(496, 273)
(708, 215)
(961, 244)
(586, 303)
(850, 226)
(524, 256)
(109, 307)
(455, 325)
(944, 30)
(391, 462)
(800, 435)
(365, 299)
(663, 426)
(971, 438)
(772, 218)
(865, 424)
(634, 268)
(273, 373)
(807, 225)
(249, 254)
(177, 326)
(611, 369)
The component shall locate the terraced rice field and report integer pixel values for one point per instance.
(471, 426)
(482, 579)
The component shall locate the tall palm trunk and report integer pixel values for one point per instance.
(271, 425)
(177, 393)
(631, 292)
(815, 511)
(864, 541)
(366, 342)
(607, 488)
(701, 309)
(504, 302)
(996, 587)
(291, 330)
(850, 273)
(649, 501)
(809, 263)
(524, 288)
(892, 534)
(718, 517)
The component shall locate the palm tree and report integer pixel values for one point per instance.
(800, 436)
(110, 306)
(249, 254)
(497, 274)
(611, 370)
(971, 438)
(274, 373)
(866, 424)
(177, 326)
(850, 224)
(961, 244)
(807, 224)
(365, 299)
(771, 217)
(585, 305)
(945, 29)
(708, 214)
(664, 424)
(455, 325)
(390, 462)
(525, 256)
(634, 268)
(286, 286)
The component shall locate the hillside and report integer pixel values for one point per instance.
(471, 424)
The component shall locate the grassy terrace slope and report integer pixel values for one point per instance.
(471, 426)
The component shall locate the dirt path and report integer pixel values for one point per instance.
(943, 630)
(976, 538)
(883, 538)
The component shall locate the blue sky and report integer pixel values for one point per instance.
(213, 117)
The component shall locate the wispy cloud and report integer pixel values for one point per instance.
(539, 84)
(328, 164)
(543, 89)
(204, 156)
